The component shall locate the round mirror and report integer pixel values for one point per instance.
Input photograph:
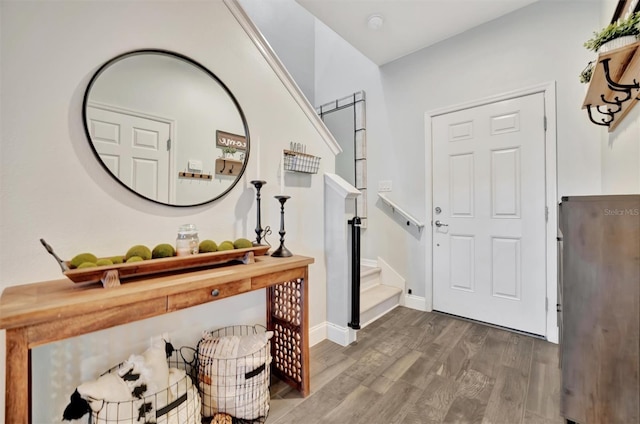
(166, 128)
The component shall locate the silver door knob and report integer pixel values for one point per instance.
(440, 224)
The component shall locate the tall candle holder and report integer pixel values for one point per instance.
(282, 252)
(259, 230)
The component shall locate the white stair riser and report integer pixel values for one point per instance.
(371, 314)
(369, 280)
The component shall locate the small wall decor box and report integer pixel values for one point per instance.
(234, 372)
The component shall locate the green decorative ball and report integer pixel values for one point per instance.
(242, 243)
(117, 259)
(225, 245)
(207, 246)
(134, 259)
(86, 265)
(104, 262)
(163, 250)
(139, 250)
(81, 258)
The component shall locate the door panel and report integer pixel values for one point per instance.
(489, 181)
(461, 185)
(134, 149)
(462, 253)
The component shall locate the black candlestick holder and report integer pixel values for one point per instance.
(282, 252)
(260, 232)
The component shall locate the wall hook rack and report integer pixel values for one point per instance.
(194, 175)
(613, 89)
(612, 107)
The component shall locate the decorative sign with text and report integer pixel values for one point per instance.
(225, 139)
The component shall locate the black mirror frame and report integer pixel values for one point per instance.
(195, 64)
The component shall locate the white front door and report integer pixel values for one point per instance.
(134, 149)
(489, 199)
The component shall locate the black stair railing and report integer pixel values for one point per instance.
(355, 272)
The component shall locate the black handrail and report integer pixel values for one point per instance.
(355, 272)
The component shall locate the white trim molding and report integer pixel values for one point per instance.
(343, 336)
(285, 77)
(416, 302)
(317, 333)
(551, 187)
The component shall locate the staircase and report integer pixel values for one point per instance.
(376, 299)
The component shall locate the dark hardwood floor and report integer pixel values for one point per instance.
(419, 368)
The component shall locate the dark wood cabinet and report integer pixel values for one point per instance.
(600, 309)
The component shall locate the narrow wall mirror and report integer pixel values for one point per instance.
(166, 128)
(346, 119)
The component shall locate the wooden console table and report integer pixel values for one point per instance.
(41, 313)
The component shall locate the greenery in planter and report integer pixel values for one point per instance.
(620, 28)
(587, 72)
(228, 151)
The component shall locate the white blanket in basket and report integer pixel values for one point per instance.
(143, 389)
(233, 375)
(142, 410)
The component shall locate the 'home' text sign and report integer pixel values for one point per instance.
(225, 139)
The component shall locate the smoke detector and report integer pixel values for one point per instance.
(375, 22)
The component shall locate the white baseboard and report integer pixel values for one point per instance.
(317, 333)
(342, 335)
(415, 302)
(369, 262)
(553, 336)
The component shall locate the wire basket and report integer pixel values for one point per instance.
(179, 403)
(234, 371)
(301, 162)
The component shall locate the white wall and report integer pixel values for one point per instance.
(288, 28)
(528, 47)
(621, 157)
(53, 188)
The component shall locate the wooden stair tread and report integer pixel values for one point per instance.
(375, 295)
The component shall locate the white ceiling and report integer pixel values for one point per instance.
(409, 25)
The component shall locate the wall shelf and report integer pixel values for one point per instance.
(301, 162)
(397, 209)
(614, 87)
(228, 166)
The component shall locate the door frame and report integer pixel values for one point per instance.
(551, 193)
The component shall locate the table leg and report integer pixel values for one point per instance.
(288, 318)
(18, 377)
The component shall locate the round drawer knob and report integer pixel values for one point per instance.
(215, 292)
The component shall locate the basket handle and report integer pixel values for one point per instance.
(173, 405)
(255, 372)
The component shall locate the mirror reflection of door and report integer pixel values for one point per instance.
(346, 120)
(134, 148)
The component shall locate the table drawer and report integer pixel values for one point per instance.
(207, 294)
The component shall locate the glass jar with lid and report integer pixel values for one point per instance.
(187, 242)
